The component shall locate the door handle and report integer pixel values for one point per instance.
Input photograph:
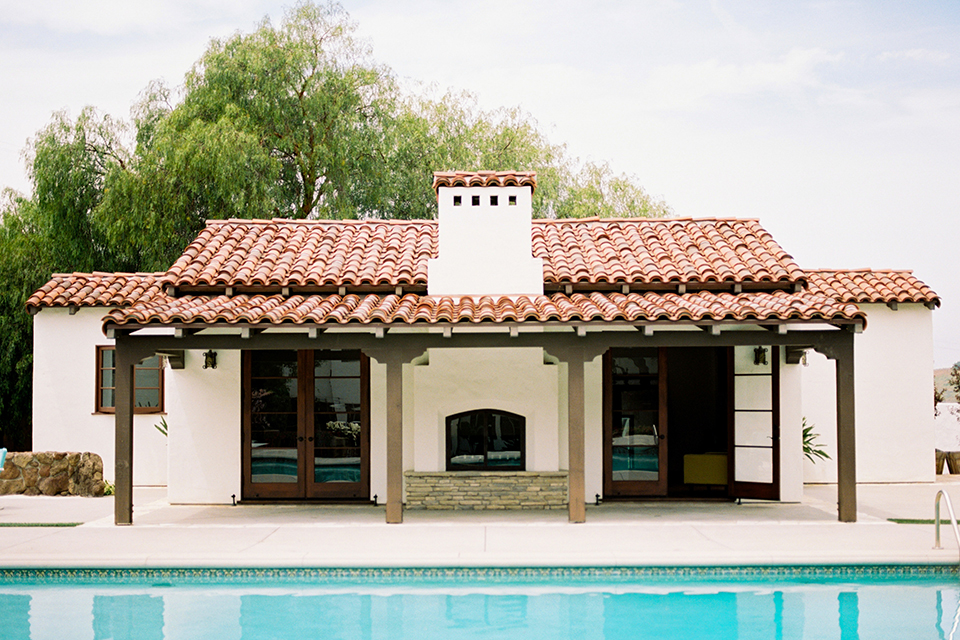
(299, 438)
(310, 439)
(662, 436)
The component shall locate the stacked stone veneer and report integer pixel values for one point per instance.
(52, 473)
(486, 490)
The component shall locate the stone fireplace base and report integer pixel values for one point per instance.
(479, 490)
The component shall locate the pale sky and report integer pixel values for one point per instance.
(836, 123)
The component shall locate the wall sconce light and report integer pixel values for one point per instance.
(760, 356)
(210, 360)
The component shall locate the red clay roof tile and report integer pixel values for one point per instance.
(484, 179)
(96, 290)
(416, 309)
(284, 253)
(866, 285)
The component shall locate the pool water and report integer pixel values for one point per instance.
(477, 605)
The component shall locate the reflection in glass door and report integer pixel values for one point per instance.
(305, 425)
(337, 437)
(635, 425)
(274, 459)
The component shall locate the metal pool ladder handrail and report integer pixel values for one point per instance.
(936, 519)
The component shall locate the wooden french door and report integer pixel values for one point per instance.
(306, 427)
(635, 422)
(754, 418)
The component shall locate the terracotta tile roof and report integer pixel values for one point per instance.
(484, 179)
(673, 250)
(96, 290)
(865, 285)
(416, 309)
(250, 253)
(384, 255)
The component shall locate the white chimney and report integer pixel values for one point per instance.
(484, 235)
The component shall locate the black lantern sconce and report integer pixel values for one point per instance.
(760, 356)
(210, 360)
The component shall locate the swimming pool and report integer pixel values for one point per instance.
(846, 603)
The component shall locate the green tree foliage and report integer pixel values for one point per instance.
(293, 120)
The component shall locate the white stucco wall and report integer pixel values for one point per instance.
(64, 396)
(205, 430)
(485, 249)
(791, 432)
(893, 360)
(592, 429)
(378, 431)
(456, 380)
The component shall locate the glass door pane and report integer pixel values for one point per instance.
(635, 448)
(274, 457)
(337, 437)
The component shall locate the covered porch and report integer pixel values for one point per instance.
(573, 344)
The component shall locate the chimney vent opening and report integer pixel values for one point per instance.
(512, 201)
(457, 201)
(493, 201)
(475, 201)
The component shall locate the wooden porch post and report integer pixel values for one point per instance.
(123, 448)
(575, 434)
(846, 433)
(394, 439)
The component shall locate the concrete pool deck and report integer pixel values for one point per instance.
(615, 534)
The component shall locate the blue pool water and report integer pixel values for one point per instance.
(772, 603)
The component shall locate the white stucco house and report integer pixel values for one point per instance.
(486, 360)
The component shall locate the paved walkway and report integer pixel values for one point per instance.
(615, 534)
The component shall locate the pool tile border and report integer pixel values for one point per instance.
(477, 574)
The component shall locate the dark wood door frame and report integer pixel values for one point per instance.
(305, 487)
(755, 490)
(622, 489)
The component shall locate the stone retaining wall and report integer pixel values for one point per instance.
(52, 473)
(475, 490)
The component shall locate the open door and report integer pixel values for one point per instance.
(754, 422)
(635, 422)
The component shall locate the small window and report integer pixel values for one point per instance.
(493, 201)
(457, 201)
(487, 440)
(512, 201)
(475, 201)
(147, 383)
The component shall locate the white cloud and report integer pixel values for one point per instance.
(687, 86)
(121, 17)
(915, 55)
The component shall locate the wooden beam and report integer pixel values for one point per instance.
(123, 436)
(394, 440)
(576, 491)
(838, 346)
(174, 357)
(794, 355)
(846, 433)
(127, 354)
